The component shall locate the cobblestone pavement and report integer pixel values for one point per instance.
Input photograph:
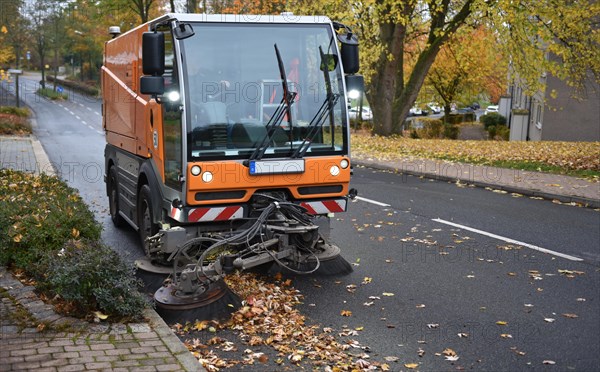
(34, 337)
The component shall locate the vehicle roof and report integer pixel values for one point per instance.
(245, 18)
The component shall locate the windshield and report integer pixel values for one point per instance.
(235, 100)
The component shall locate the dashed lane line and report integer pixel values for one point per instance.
(372, 201)
(509, 240)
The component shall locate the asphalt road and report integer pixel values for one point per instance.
(440, 281)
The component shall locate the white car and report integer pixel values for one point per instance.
(434, 107)
(489, 109)
(367, 114)
(415, 111)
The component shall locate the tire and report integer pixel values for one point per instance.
(145, 217)
(113, 198)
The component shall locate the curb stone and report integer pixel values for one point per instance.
(587, 202)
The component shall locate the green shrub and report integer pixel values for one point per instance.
(458, 118)
(93, 277)
(491, 131)
(18, 111)
(493, 118)
(451, 131)
(76, 85)
(39, 214)
(503, 132)
(50, 93)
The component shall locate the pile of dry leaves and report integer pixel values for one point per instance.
(272, 330)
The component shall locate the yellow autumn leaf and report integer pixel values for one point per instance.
(411, 365)
(100, 315)
(17, 238)
(346, 313)
(388, 294)
(75, 233)
(501, 323)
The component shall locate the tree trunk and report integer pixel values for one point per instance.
(390, 75)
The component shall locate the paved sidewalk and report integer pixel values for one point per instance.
(34, 337)
(565, 189)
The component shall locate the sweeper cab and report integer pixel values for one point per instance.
(228, 145)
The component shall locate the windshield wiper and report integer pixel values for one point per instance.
(285, 107)
(324, 112)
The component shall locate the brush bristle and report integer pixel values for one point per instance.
(217, 310)
(337, 266)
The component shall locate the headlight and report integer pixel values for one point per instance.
(207, 177)
(196, 170)
(344, 163)
(173, 96)
(334, 170)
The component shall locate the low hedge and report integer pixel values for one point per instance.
(75, 85)
(48, 231)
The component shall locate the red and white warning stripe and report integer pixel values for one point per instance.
(325, 206)
(215, 214)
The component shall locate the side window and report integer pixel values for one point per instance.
(171, 118)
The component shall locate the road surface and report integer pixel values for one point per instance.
(507, 282)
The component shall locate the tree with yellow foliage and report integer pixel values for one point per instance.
(526, 33)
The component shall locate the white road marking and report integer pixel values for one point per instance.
(97, 113)
(99, 132)
(372, 201)
(89, 109)
(77, 116)
(508, 240)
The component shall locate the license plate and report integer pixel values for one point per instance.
(276, 166)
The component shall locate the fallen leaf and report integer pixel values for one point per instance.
(391, 358)
(346, 313)
(549, 320)
(463, 335)
(411, 365)
(100, 316)
(449, 352)
(387, 294)
(506, 335)
(570, 316)
(549, 362)
(501, 323)
(452, 358)
(420, 306)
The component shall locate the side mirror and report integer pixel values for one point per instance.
(349, 50)
(153, 85)
(355, 83)
(183, 31)
(153, 63)
(153, 53)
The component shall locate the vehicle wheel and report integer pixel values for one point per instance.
(113, 198)
(145, 217)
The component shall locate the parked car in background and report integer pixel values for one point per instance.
(464, 110)
(434, 107)
(415, 111)
(367, 114)
(492, 108)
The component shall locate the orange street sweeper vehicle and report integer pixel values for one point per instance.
(228, 144)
